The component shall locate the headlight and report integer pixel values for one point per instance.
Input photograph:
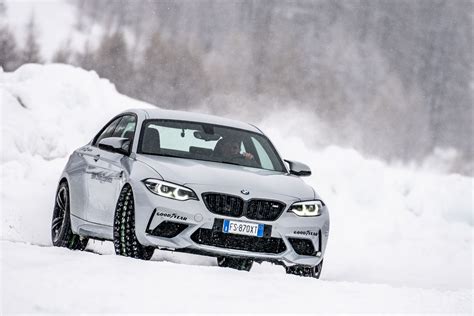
(307, 208)
(170, 190)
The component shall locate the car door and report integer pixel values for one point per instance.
(108, 173)
(83, 169)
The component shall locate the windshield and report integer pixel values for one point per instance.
(201, 141)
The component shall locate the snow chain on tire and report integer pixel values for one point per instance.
(125, 241)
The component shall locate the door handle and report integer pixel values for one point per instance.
(96, 157)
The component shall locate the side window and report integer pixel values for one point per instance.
(107, 132)
(265, 160)
(126, 127)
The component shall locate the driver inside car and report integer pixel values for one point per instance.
(230, 149)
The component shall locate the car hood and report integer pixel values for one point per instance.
(220, 177)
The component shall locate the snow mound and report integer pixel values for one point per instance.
(50, 110)
(394, 225)
(47, 112)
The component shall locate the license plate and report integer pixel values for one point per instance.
(242, 228)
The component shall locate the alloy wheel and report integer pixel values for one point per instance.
(59, 213)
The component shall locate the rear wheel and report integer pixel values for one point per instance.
(235, 263)
(306, 271)
(61, 232)
(125, 240)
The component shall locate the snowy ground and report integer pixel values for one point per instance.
(58, 280)
(400, 240)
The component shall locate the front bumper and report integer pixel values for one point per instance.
(189, 226)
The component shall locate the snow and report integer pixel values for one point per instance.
(400, 239)
(112, 283)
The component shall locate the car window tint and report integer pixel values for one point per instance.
(108, 131)
(126, 127)
(265, 160)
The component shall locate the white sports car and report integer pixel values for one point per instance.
(159, 179)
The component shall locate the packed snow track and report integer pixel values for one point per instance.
(46, 279)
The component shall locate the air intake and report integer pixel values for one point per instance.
(168, 229)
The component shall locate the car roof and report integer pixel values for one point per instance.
(198, 117)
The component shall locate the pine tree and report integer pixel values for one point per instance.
(85, 59)
(3, 8)
(112, 61)
(9, 60)
(31, 50)
(170, 76)
(8, 47)
(64, 54)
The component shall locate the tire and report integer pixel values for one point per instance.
(235, 263)
(306, 271)
(125, 240)
(61, 232)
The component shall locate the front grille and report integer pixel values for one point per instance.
(302, 246)
(264, 210)
(223, 204)
(219, 239)
(234, 206)
(168, 229)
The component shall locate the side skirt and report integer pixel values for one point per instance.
(89, 229)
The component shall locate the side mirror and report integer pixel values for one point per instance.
(298, 168)
(115, 144)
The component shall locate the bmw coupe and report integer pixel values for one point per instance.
(170, 180)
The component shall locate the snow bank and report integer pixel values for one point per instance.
(47, 112)
(389, 224)
(51, 110)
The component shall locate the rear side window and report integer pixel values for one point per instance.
(126, 127)
(108, 131)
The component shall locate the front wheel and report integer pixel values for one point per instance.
(235, 263)
(125, 240)
(61, 232)
(306, 271)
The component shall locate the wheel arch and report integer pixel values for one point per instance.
(125, 239)
(63, 180)
(127, 184)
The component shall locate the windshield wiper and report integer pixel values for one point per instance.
(229, 162)
(218, 161)
(168, 155)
